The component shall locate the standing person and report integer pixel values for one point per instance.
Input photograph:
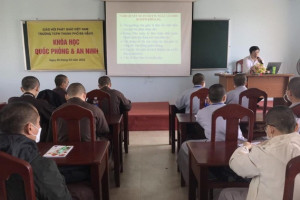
(19, 132)
(233, 96)
(266, 162)
(30, 88)
(252, 59)
(76, 95)
(118, 102)
(183, 101)
(61, 82)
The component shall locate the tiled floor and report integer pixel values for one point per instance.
(150, 170)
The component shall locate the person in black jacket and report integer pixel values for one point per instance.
(30, 88)
(61, 82)
(19, 131)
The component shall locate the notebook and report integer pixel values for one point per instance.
(273, 64)
(58, 151)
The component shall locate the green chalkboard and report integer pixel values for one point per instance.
(209, 44)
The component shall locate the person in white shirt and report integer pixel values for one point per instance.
(292, 94)
(216, 98)
(233, 96)
(252, 59)
(184, 100)
(266, 162)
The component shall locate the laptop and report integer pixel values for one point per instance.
(273, 64)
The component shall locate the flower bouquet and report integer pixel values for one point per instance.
(258, 69)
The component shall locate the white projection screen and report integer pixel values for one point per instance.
(148, 38)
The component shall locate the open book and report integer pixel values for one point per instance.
(58, 151)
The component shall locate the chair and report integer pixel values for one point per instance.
(254, 95)
(2, 105)
(72, 114)
(239, 62)
(105, 104)
(103, 100)
(202, 95)
(292, 170)
(11, 165)
(232, 113)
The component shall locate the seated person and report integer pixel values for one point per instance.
(252, 59)
(232, 97)
(266, 162)
(293, 93)
(184, 100)
(30, 88)
(19, 132)
(61, 82)
(51, 97)
(118, 102)
(76, 95)
(216, 98)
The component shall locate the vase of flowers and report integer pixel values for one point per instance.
(258, 69)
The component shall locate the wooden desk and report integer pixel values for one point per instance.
(172, 114)
(183, 121)
(114, 121)
(273, 84)
(87, 153)
(203, 155)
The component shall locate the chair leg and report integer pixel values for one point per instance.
(211, 194)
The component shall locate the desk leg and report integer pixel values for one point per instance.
(105, 180)
(116, 150)
(170, 127)
(192, 181)
(181, 134)
(126, 132)
(120, 148)
(95, 180)
(203, 183)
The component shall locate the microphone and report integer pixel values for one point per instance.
(260, 60)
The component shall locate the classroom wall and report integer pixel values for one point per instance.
(271, 24)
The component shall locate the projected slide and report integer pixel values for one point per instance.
(148, 38)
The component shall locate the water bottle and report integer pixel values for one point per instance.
(95, 101)
(274, 70)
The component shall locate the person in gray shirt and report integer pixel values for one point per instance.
(184, 100)
(240, 81)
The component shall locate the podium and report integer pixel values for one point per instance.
(274, 85)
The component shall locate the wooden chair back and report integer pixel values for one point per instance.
(292, 170)
(11, 165)
(253, 94)
(72, 114)
(296, 110)
(232, 113)
(103, 100)
(2, 105)
(239, 62)
(201, 94)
